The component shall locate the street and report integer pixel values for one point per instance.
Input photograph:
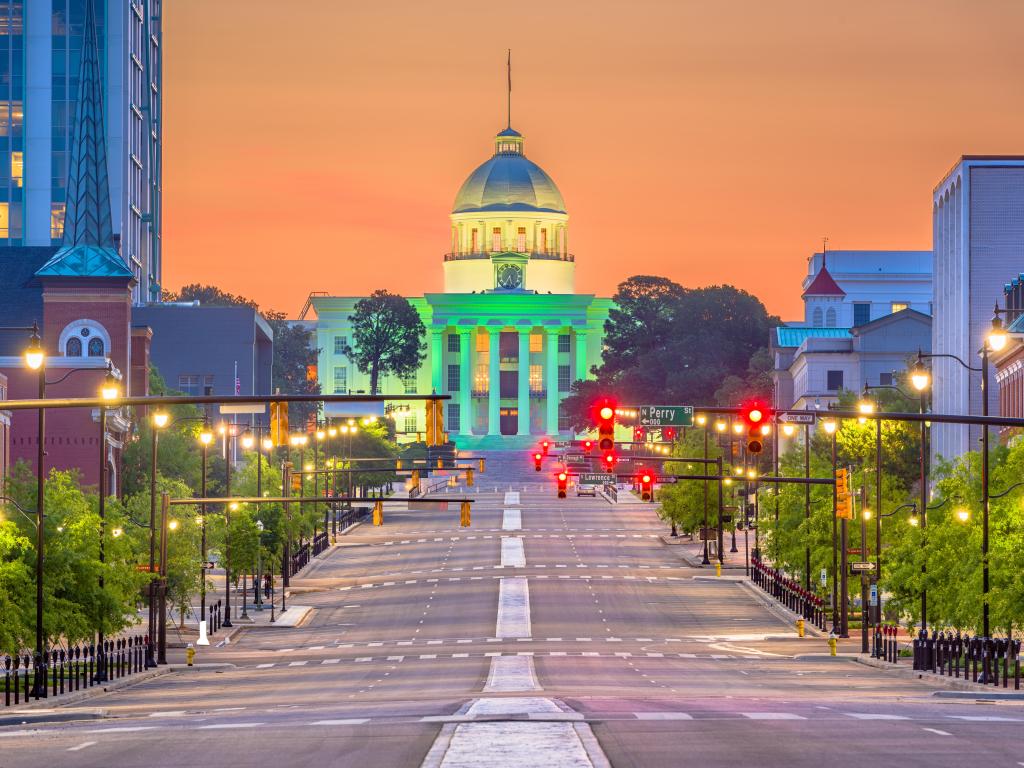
(550, 633)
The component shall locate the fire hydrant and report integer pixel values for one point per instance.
(718, 569)
(800, 627)
(190, 654)
(832, 644)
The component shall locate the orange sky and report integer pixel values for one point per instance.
(317, 145)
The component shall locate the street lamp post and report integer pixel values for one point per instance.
(702, 421)
(158, 421)
(830, 427)
(108, 393)
(920, 379)
(226, 432)
(807, 505)
(205, 438)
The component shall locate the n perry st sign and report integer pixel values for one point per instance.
(665, 416)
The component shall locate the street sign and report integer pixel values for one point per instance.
(596, 479)
(247, 408)
(824, 577)
(862, 567)
(791, 417)
(144, 567)
(874, 594)
(209, 565)
(665, 416)
(853, 551)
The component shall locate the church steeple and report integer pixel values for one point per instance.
(88, 243)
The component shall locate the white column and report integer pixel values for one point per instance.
(581, 355)
(465, 383)
(494, 383)
(551, 378)
(436, 360)
(524, 382)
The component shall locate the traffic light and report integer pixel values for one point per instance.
(668, 434)
(378, 513)
(544, 447)
(646, 485)
(844, 500)
(435, 423)
(639, 433)
(757, 418)
(537, 459)
(604, 415)
(588, 446)
(464, 515)
(563, 484)
(279, 423)
(609, 460)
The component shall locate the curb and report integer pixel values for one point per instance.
(18, 717)
(113, 685)
(779, 612)
(980, 691)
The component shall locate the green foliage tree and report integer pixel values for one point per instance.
(682, 502)
(388, 336)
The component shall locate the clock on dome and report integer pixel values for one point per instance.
(509, 276)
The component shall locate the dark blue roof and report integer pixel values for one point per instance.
(510, 132)
(21, 292)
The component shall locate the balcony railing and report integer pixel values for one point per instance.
(548, 256)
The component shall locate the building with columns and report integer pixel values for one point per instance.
(508, 335)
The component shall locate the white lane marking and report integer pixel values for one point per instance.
(986, 718)
(534, 744)
(937, 732)
(772, 716)
(297, 663)
(83, 745)
(513, 608)
(228, 726)
(662, 716)
(874, 716)
(264, 666)
(512, 520)
(511, 498)
(122, 729)
(348, 721)
(512, 554)
(330, 661)
(525, 705)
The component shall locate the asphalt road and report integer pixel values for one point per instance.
(568, 634)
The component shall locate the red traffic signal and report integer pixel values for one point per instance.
(537, 459)
(544, 447)
(757, 416)
(588, 445)
(609, 459)
(646, 485)
(604, 416)
(639, 433)
(668, 434)
(563, 483)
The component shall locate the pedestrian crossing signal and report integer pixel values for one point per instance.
(378, 513)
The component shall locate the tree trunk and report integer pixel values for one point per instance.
(374, 375)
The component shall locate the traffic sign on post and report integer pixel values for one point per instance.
(665, 416)
(791, 417)
(862, 567)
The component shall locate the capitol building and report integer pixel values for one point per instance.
(509, 334)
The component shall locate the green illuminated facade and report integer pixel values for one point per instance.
(509, 334)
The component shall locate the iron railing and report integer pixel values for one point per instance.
(986, 660)
(789, 593)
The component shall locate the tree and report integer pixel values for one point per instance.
(388, 335)
(669, 344)
(208, 295)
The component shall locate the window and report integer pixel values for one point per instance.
(536, 342)
(17, 167)
(340, 379)
(409, 384)
(454, 418)
(95, 347)
(496, 239)
(563, 343)
(453, 342)
(564, 379)
(481, 379)
(73, 348)
(189, 384)
(536, 379)
(56, 220)
(543, 241)
(508, 385)
(830, 318)
(521, 240)
(563, 419)
(861, 312)
(340, 342)
(483, 342)
(410, 424)
(817, 318)
(885, 379)
(454, 378)
(899, 306)
(472, 241)
(834, 381)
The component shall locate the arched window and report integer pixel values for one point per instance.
(816, 317)
(95, 347)
(73, 348)
(830, 318)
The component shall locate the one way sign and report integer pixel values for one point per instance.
(794, 417)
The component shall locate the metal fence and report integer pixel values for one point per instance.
(987, 660)
(64, 670)
(789, 593)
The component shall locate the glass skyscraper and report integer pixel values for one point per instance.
(40, 54)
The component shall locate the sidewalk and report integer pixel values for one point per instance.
(691, 551)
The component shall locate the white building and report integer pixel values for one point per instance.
(978, 239)
(39, 87)
(865, 314)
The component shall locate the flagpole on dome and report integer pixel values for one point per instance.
(509, 125)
